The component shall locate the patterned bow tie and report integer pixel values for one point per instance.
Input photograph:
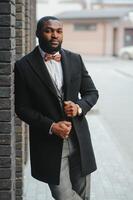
(56, 57)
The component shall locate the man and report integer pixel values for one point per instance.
(48, 82)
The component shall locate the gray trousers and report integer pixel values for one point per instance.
(72, 185)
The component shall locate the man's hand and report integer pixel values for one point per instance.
(62, 129)
(70, 108)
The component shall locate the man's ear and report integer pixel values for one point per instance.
(37, 34)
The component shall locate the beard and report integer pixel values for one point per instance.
(46, 46)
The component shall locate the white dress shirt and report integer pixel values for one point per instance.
(55, 71)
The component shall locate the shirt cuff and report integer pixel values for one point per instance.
(79, 110)
(50, 130)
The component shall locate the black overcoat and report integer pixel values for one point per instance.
(37, 104)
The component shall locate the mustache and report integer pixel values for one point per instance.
(54, 40)
(46, 42)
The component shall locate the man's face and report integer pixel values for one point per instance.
(51, 36)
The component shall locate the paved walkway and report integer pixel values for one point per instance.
(112, 181)
(128, 71)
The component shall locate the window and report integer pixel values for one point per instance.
(85, 27)
(128, 37)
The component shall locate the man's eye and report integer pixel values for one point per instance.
(47, 31)
(60, 30)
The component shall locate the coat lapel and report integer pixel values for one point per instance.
(66, 72)
(40, 69)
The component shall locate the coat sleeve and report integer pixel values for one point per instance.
(88, 91)
(23, 104)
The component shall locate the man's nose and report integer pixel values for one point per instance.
(54, 34)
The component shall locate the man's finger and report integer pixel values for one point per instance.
(67, 123)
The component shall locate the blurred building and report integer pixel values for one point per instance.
(84, 3)
(52, 7)
(111, 3)
(98, 31)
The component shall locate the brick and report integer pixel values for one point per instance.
(5, 127)
(20, 24)
(18, 168)
(5, 162)
(18, 137)
(5, 139)
(19, 198)
(6, 68)
(5, 195)
(7, 8)
(19, 145)
(20, 16)
(28, 26)
(19, 182)
(5, 80)
(20, 33)
(20, 2)
(19, 162)
(19, 41)
(5, 91)
(7, 56)
(20, 49)
(4, 20)
(5, 103)
(5, 115)
(18, 129)
(7, 44)
(19, 153)
(5, 184)
(19, 174)
(10, 1)
(5, 150)
(7, 32)
(19, 192)
(20, 8)
(7, 20)
(5, 173)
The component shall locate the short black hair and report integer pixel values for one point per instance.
(41, 22)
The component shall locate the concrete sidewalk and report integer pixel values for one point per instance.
(112, 181)
(88, 58)
(128, 71)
